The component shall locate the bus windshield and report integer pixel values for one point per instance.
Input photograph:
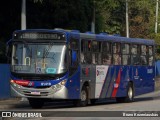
(39, 58)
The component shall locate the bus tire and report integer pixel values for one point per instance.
(36, 103)
(130, 95)
(83, 101)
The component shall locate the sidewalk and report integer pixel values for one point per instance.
(157, 83)
(12, 103)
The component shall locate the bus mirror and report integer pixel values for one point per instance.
(8, 49)
(8, 52)
(74, 57)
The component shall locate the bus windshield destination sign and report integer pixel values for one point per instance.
(49, 36)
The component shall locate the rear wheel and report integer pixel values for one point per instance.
(130, 95)
(83, 98)
(36, 103)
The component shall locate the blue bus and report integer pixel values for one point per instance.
(82, 67)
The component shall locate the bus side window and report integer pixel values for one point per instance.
(96, 55)
(150, 53)
(86, 56)
(135, 54)
(106, 53)
(116, 53)
(144, 60)
(125, 54)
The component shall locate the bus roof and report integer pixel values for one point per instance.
(91, 36)
(112, 38)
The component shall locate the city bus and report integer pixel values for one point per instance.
(82, 67)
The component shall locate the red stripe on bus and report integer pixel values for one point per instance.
(117, 82)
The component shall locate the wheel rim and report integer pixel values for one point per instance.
(83, 95)
(130, 93)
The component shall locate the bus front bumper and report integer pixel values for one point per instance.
(20, 91)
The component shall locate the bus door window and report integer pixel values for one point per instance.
(150, 52)
(125, 54)
(144, 55)
(86, 56)
(116, 53)
(106, 53)
(135, 55)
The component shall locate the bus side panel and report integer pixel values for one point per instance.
(150, 78)
(93, 82)
(102, 80)
(113, 85)
(88, 75)
(108, 82)
(113, 75)
(147, 78)
(136, 80)
(73, 85)
(143, 78)
(124, 80)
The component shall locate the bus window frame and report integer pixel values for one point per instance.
(119, 54)
(97, 54)
(109, 53)
(70, 49)
(137, 54)
(144, 55)
(126, 54)
(87, 49)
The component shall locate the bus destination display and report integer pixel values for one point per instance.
(46, 36)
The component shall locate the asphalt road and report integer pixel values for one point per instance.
(148, 102)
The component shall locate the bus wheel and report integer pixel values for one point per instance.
(130, 93)
(129, 97)
(36, 103)
(83, 101)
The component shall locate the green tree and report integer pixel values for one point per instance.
(141, 17)
(112, 14)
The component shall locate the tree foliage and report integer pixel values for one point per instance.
(78, 14)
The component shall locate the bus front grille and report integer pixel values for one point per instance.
(28, 93)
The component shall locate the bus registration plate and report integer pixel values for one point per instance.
(35, 93)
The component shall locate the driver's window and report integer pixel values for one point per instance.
(74, 52)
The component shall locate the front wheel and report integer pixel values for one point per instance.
(83, 98)
(36, 103)
(130, 95)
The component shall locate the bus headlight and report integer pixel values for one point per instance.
(14, 84)
(63, 82)
(59, 85)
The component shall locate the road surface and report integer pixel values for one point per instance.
(148, 102)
